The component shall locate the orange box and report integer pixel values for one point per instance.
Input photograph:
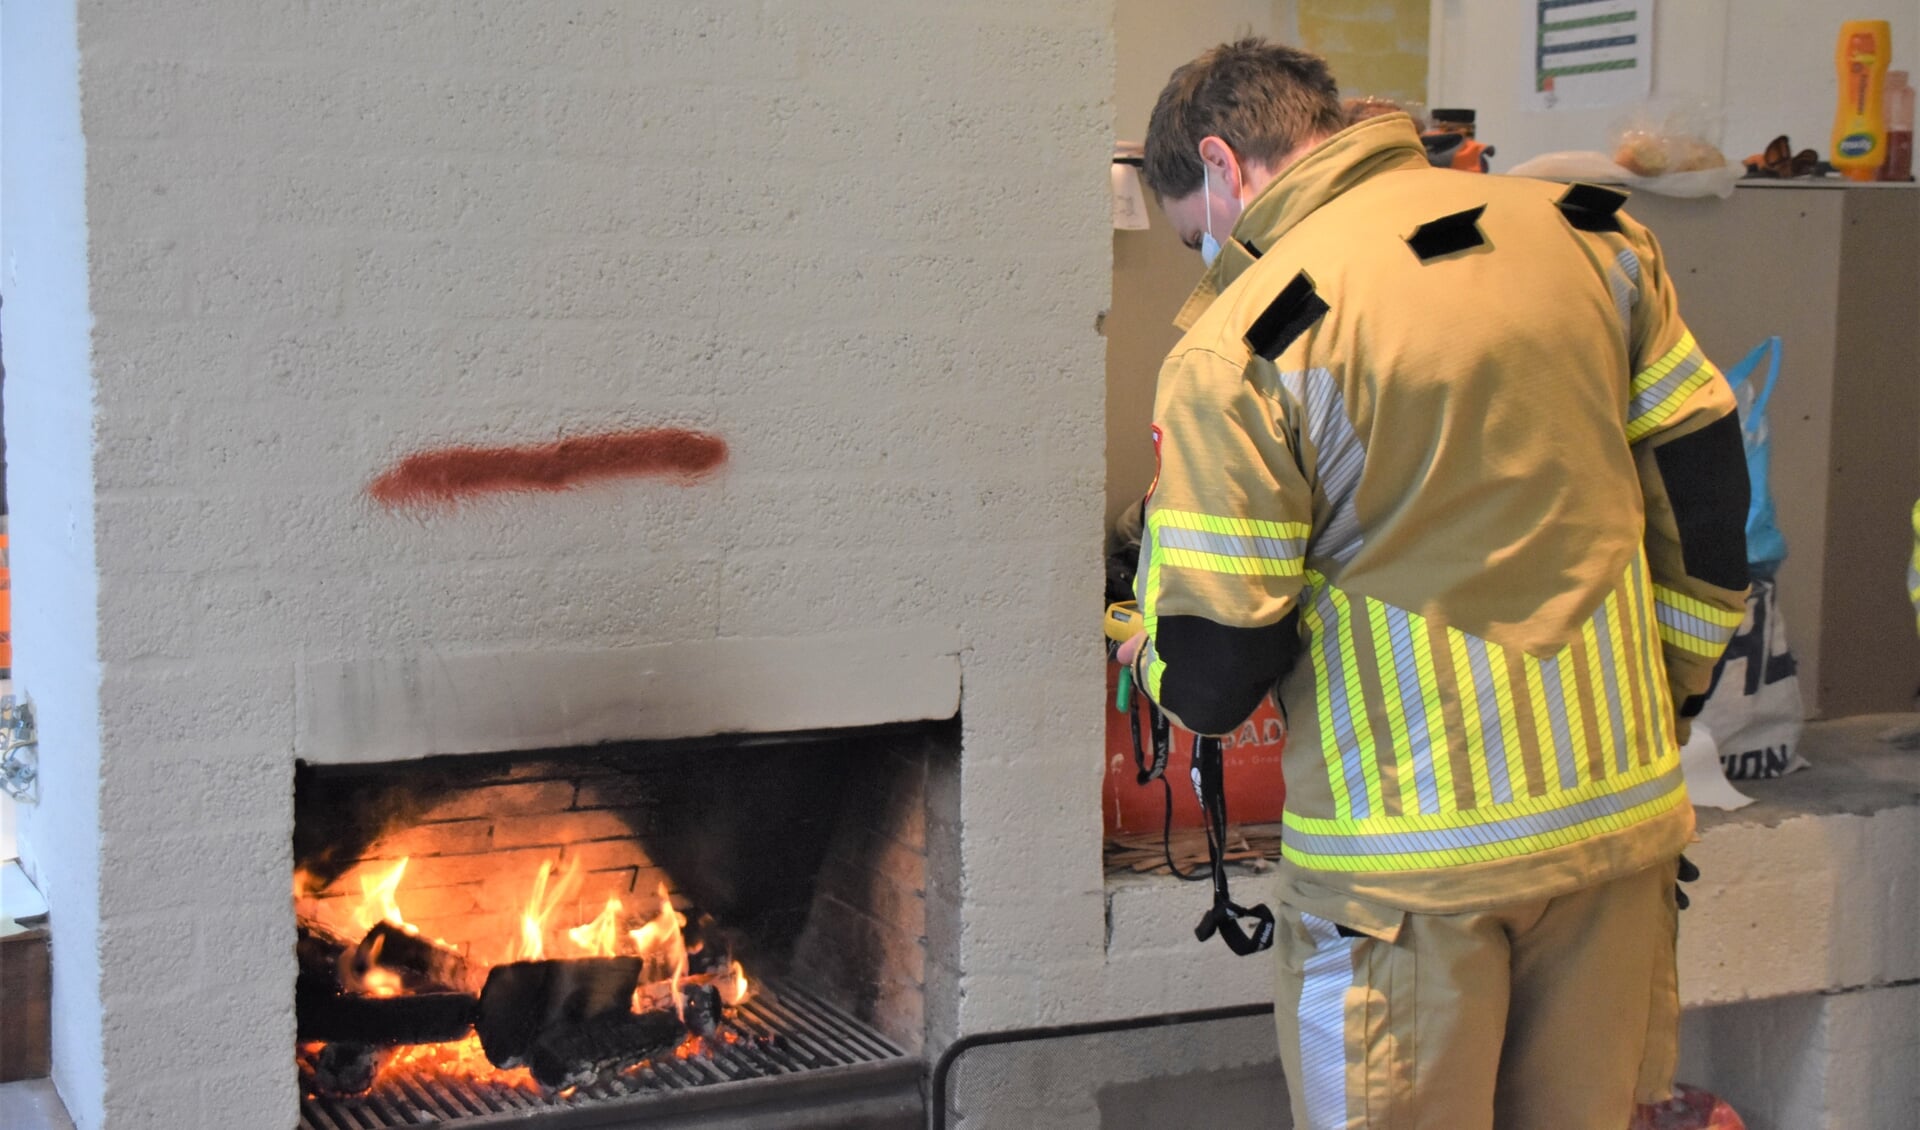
(1256, 791)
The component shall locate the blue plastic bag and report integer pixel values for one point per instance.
(1766, 545)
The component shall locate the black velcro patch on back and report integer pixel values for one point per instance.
(1706, 478)
(1448, 234)
(1293, 311)
(1591, 208)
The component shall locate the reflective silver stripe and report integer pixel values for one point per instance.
(1343, 735)
(1557, 717)
(1653, 397)
(1327, 975)
(1479, 835)
(1499, 769)
(1338, 460)
(1413, 705)
(1609, 674)
(1624, 282)
(1687, 624)
(1232, 545)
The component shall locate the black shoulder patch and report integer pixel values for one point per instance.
(1591, 208)
(1448, 234)
(1293, 311)
(1251, 249)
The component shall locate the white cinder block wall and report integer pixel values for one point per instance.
(864, 242)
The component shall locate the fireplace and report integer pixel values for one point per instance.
(662, 925)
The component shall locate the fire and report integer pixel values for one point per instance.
(546, 897)
(378, 980)
(660, 941)
(378, 903)
(734, 987)
(599, 938)
(664, 948)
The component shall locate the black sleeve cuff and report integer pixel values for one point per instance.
(1215, 676)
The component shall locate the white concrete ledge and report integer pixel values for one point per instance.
(1815, 888)
(387, 708)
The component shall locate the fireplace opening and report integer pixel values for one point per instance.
(662, 923)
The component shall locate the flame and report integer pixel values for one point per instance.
(600, 937)
(734, 987)
(667, 955)
(540, 905)
(378, 980)
(663, 946)
(378, 903)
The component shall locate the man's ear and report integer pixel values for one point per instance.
(1217, 155)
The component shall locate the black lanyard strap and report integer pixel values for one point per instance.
(1225, 916)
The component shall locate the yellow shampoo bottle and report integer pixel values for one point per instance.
(1860, 126)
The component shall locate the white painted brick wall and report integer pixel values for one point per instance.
(863, 241)
(50, 452)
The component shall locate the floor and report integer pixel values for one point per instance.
(32, 1105)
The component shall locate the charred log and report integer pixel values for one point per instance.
(346, 1069)
(424, 965)
(703, 1009)
(417, 1018)
(524, 999)
(320, 952)
(572, 1054)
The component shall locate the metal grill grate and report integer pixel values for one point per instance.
(787, 1037)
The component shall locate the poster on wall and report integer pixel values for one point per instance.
(1584, 53)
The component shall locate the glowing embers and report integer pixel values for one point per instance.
(578, 999)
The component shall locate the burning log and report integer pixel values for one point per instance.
(523, 999)
(573, 1054)
(415, 1018)
(423, 964)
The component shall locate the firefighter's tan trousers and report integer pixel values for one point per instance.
(1548, 1015)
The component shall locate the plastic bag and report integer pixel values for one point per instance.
(1754, 709)
(1667, 149)
(1658, 141)
(1598, 168)
(1766, 545)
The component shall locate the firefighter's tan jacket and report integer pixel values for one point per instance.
(1444, 438)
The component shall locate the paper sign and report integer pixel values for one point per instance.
(1588, 53)
(1129, 203)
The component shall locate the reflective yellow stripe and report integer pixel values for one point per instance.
(1331, 751)
(1214, 543)
(1471, 719)
(1659, 390)
(1521, 827)
(1588, 736)
(1396, 706)
(1694, 625)
(1357, 704)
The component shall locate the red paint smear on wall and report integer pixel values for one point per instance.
(448, 476)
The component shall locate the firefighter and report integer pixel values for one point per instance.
(1438, 453)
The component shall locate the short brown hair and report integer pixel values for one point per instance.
(1264, 100)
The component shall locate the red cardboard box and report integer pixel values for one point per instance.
(1256, 792)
